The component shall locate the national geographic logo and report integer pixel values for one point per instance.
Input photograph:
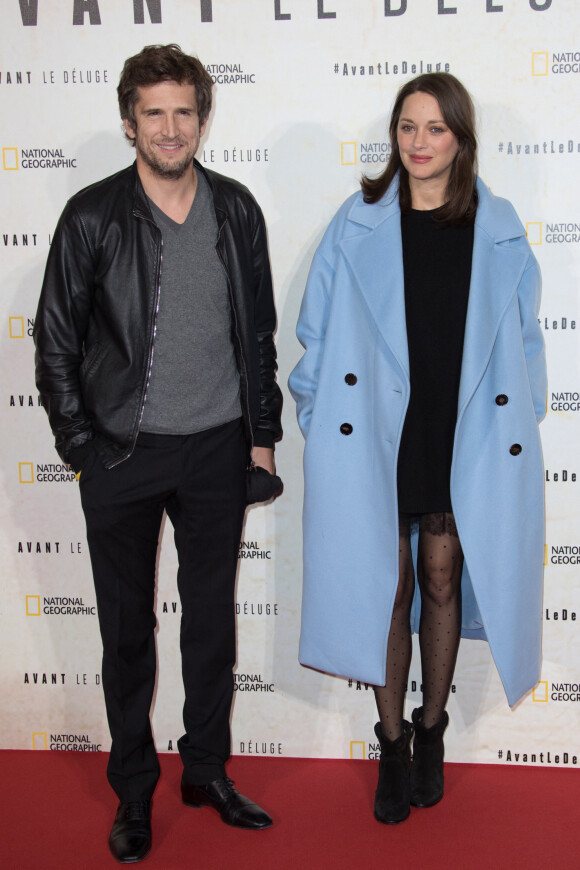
(540, 148)
(251, 683)
(348, 153)
(10, 158)
(230, 74)
(25, 472)
(236, 154)
(546, 692)
(561, 63)
(352, 153)
(58, 605)
(347, 69)
(36, 158)
(562, 554)
(565, 403)
(360, 750)
(251, 550)
(30, 472)
(64, 742)
(19, 326)
(260, 747)
(538, 758)
(563, 233)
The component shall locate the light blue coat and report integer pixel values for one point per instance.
(352, 320)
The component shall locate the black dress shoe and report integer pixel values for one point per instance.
(234, 808)
(130, 838)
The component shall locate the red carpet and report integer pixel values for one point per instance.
(57, 809)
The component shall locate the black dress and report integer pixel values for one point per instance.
(437, 268)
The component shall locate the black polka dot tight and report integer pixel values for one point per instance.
(439, 567)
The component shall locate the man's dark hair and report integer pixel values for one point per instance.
(162, 63)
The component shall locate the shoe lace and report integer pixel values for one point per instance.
(136, 810)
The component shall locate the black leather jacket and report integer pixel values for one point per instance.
(95, 325)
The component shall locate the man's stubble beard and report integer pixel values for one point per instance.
(172, 172)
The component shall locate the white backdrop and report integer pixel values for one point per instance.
(303, 92)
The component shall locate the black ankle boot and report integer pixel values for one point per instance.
(392, 797)
(427, 768)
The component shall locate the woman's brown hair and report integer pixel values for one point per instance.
(458, 113)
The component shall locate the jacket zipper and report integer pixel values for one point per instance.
(151, 349)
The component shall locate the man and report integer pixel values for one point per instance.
(156, 364)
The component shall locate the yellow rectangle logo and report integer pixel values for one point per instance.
(16, 327)
(10, 158)
(540, 63)
(534, 232)
(357, 749)
(33, 605)
(348, 153)
(540, 692)
(26, 472)
(39, 740)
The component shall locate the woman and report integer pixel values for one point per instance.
(419, 394)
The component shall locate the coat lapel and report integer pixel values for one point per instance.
(373, 250)
(374, 255)
(495, 273)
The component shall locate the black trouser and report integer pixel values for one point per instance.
(200, 481)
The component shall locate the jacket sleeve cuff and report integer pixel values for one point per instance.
(263, 438)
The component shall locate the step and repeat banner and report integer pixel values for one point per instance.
(303, 92)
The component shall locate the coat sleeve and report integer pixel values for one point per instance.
(529, 294)
(59, 329)
(311, 331)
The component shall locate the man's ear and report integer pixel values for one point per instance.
(129, 130)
